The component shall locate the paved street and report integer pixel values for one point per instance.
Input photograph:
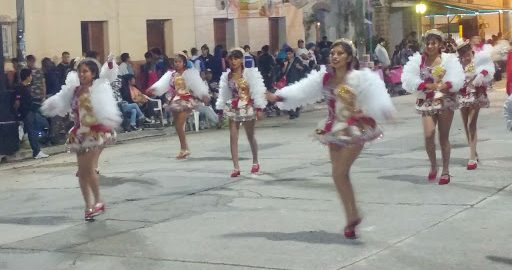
(168, 214)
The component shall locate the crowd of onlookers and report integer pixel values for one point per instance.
(34, 81)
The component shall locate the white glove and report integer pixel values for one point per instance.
(479, 80)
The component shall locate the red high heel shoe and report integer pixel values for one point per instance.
(445, 179)
(89, 215)
(255, 168)
(472, 165)
(235, 173)
(432, 176)
(99, 209)
(350, 229)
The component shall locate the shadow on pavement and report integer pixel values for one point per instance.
(498, 259)
(313, 237)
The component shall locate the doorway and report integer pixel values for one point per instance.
(94, 35)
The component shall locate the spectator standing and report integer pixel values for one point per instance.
(148, 72)
(294, 71)
(125, 67)
(249, 61)
(38, 86)
(224, 60)
(406, 52)
(206, 57)
(161, 62)
(266, 64)
(324, 47)
(302, 52)
(196, 60)
(311, 47)
(382, 54)
(26, 112)
(51, 76)
(218, 59)
(63, 67)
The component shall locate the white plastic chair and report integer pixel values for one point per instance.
(195, 116)
(158, 109)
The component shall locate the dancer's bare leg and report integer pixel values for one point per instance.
(472, 126)
(86, 166)
(249, 131)
(445, 123)
(233, 142)
(429, 131)
(342, 159)
(179, 125)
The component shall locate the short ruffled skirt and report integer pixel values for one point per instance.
(185, 103)
(83, 140)
(434, 106)
(474, 100)
(239, 113)
(346, 135)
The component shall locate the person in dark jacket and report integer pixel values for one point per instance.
(266, 64)
(25, 111)
(294, 71)
(51, 77)
(64, 67)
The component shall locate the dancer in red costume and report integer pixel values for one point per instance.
(89, 97)
(436, 78)
(187, 90)
(242, 97)
(479, 69)
(355, 99)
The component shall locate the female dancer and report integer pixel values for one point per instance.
(354, 99)
(88, 95)
(435, 77)
(186, 86)
(479, 69)
(242, 96)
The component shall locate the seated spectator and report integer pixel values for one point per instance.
(132, 94)
(132, 100)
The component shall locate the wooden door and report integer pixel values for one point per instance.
(156, 34)
(274, 34)
(220, 31)
(93, 38)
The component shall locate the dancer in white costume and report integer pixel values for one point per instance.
(479, 70)
(242, 97)
(436, 78)
(89, 97)
(355, 100)
(187, 89)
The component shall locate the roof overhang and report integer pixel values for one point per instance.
(447, 8)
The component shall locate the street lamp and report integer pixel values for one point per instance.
(421, 8)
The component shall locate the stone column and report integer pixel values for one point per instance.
(381, 20)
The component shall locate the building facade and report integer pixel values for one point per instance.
(104, 26)
(236, 23)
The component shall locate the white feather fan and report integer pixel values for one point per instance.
(306, 91)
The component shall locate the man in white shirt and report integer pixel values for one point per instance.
(126, 66)
(302, 52)
(382, 53)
